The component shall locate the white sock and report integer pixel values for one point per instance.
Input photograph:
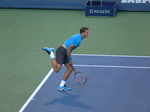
(62, 83)
(52, 56)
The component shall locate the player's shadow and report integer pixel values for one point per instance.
(70, 99)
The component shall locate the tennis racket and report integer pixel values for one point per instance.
(79, 77)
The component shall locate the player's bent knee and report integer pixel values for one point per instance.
(56, 70)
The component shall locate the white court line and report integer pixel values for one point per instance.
(36, 90)
(111, 66)
(126, 56)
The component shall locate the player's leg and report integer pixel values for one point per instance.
(62, 86)
(55, 65)
(50, 52)
(64, 56)
(68, 71)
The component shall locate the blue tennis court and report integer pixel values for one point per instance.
(115, 84)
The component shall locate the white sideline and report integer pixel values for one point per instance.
(36, 90)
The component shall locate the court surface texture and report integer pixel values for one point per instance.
(115, 84)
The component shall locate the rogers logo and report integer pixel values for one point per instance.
(91, 11)
(135, 1)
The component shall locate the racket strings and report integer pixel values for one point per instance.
(80, 78)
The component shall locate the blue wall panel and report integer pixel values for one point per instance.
(135, 5)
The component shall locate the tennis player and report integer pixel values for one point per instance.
(63, 55)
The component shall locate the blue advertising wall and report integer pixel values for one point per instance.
(128, 5)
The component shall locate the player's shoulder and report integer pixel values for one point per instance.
(76, 35)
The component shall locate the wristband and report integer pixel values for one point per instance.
(69, 58)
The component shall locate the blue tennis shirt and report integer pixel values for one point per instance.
(74, 40)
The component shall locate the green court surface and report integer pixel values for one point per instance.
(23, 33)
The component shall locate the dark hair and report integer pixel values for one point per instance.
(83, 29)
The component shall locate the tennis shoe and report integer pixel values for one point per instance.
(48, 50)
(64, 88)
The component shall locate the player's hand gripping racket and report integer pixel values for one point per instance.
(79, 77)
